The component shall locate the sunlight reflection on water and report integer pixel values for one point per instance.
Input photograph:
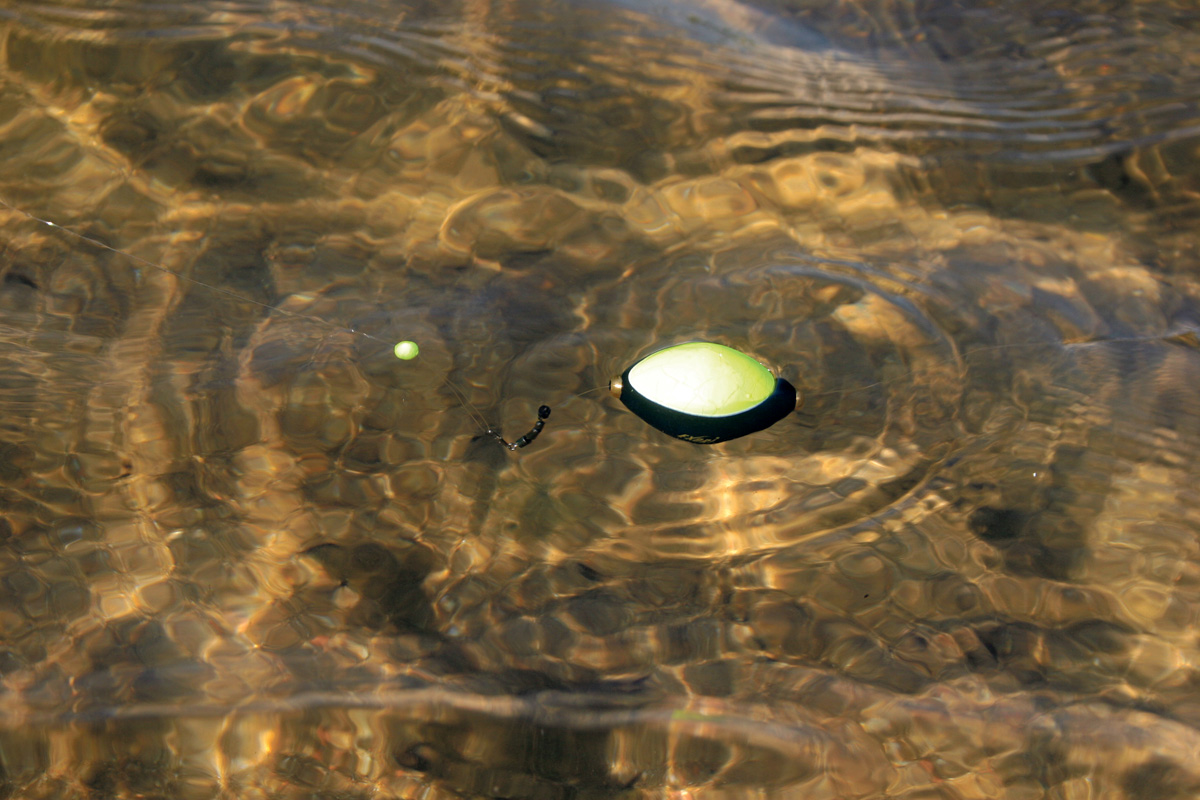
(246, 552)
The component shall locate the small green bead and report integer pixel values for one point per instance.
(406, 351)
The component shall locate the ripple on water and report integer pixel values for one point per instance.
(247, 551)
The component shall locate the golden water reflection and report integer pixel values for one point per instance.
(245, 552)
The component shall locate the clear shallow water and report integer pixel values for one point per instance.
(248, 553)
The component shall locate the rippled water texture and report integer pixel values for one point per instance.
(247, 553)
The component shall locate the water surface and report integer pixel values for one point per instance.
(248, 553)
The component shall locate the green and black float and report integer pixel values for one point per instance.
(704, 392)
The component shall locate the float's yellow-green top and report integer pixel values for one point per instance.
(702, 378)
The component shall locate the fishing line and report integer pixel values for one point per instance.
(1187, 337)
(405, 350)
(660, 412)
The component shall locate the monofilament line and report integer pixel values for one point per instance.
(212, 287)
(405, 350)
